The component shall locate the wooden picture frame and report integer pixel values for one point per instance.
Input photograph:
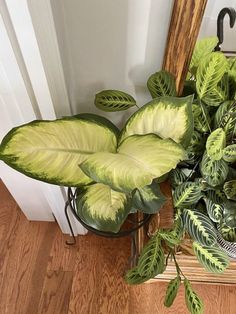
(183, 31)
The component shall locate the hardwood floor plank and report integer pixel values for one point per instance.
(56, 293)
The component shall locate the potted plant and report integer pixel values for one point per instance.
(188, 139)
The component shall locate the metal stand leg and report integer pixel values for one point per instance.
(73, 242)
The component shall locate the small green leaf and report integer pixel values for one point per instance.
(201, 118)
(215, 144)
(212, 258)
(229, 153)
(213, 171)
(230, 189)
(230, 213)
(186, 194)
(114, 100)
(152, 259)
(199, 227)
(177, 177)
(193, 302)
(202, 49)
(219, 94)
(229, 234)
(215, 211)
(172, 291)
(161, 83)
(196, 146)
(149, 199)
(210, 72)
(170, 236)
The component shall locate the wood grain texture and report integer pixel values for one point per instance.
(94, 284)
(183, 31)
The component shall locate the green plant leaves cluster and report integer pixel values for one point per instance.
(161, 83)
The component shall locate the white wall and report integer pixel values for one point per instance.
(209, 28)
(110, 45)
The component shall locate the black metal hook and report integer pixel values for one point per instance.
(220, 24)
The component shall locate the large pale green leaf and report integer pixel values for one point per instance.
(168, 117)
(213, 171)
(215, 144)
(229, 234)
(102, 208)
(199, 227)
(193, 302)
(114, 100)
(215, 211)
(172, 290)
(187, 194)
(229, 153)
(161, 83)
(202, 49)
(230, 189)
(51, 151)
(152, 259)
(139, 159)
(212, 258)
(210, 72)
(149, 199)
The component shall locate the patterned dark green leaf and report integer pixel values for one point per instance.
(170, 236)
(229, 213)
(177, 177)
(199, 227)
(215, 144)
(161, 83)
(132, 277)
(229, 234)
(149, 199)
(212, 258)
(113, 100)
(201, 118)
(216, 196)
(188, 193)
(193, 302)
(171, 291)
(152, 259)
(214, 210)
(229, 153)
(210, 72)
(230, 189)
(219, 94)
(196, 146)
(213, 171)
(219, 118)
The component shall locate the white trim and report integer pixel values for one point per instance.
(27, 60)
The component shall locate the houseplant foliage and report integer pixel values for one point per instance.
(189, 139)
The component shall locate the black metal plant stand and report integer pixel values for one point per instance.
(131, 230)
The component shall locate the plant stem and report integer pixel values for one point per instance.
(179, 271)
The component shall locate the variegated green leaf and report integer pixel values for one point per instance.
(216, 196)
(214, 211)
(149, 199)
(196, 146)
(215, 144)
(210, 72)
(132, 277)
(170, 236)
(226, 119)
(161, 83)
(177, 177)
(193, 302)
(229, 153)
(186, 194)
(102, 208)
(51, 151)
(229, 213)
(219, 94)
(152, 259)
(139, 159)
(114, 100)
(172, 290)
(202, 49)
(213, 171)
(212, 258)
(230, 189)
(229, 234)
(168, 117)
(199, 227)
(201, 118)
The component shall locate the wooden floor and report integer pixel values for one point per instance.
(40, 274)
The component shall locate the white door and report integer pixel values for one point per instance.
(26, 94)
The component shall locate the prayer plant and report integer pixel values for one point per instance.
(189, 139)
